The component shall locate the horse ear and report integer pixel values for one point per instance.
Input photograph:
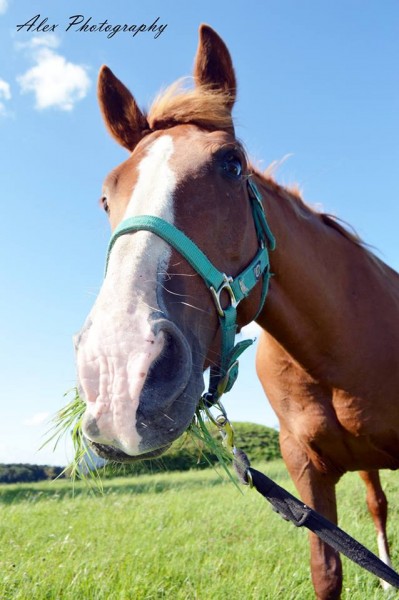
(123, 118)
(213, 65)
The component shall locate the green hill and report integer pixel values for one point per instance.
(259, 442)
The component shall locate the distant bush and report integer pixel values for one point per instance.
(258, 442)
(26, 473)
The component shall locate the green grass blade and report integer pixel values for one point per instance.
(68, 421)
(201, 428)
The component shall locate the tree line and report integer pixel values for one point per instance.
(27, 473)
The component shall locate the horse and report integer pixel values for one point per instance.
(328, 308)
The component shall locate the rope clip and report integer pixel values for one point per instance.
(227, 432)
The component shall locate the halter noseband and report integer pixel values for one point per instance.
(223, 376)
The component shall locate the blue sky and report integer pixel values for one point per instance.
(318, 84)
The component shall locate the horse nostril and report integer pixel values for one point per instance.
(170, 367)
(170, 372)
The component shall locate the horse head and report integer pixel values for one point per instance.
(155, 326)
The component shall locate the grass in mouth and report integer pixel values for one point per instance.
(201, 429)
(68, 421)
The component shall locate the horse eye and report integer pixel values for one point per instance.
(232, 166)
(104, 204)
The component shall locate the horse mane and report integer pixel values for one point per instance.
(202, 105)
(294, 197)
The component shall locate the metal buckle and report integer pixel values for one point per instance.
(249, 477)
(216, 294)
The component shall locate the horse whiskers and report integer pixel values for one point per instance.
(168, 417)
(153, 308)
(172, 293)
(145, 425)
(214, 362)
(194, 307)
(171, 275)
(177, 264)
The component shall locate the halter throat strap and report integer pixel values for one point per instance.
(237, 288)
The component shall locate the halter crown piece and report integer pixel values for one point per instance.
(223, 376)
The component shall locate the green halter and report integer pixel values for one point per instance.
(222, 377)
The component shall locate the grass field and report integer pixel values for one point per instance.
(176, 536)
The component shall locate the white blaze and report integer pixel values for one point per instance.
(115, 356)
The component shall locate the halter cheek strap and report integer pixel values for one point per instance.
(237, 288)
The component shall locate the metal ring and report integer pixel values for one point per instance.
(250, 481)
(226, 285)
(221, 421)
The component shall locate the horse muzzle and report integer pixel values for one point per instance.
(138, 403)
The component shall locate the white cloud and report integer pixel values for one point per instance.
(252, 330)
(49, 41)
(5, 94)
(3, 6)
(37, 419)
(5, 90)
(55, 82)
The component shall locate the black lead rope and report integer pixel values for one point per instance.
(292, 509)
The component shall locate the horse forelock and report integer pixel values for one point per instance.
(201, 105)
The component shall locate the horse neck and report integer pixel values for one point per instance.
(320, 276)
